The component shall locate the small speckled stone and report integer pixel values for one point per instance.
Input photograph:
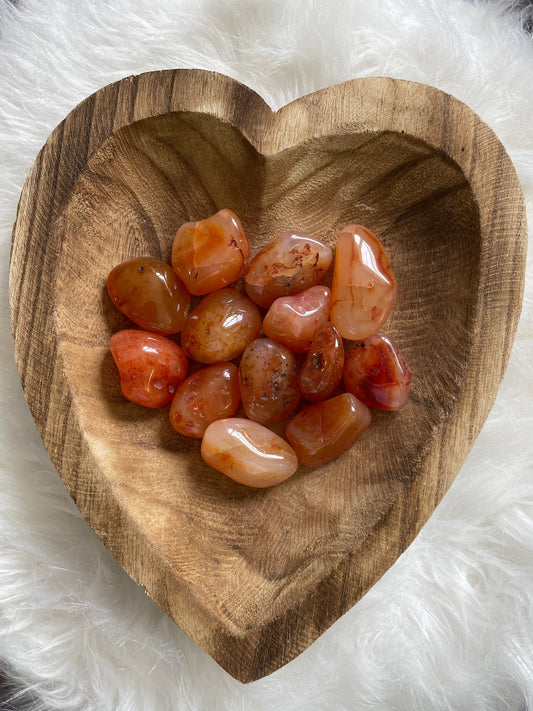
(269, 381)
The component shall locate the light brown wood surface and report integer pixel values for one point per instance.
(255, 576)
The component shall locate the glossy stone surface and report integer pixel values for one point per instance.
(149, 293)
(321, 372)
(377, 373)
(209, 394)
(294, 320)
(210, 254)
(151, 366)
(292, 263)
(364, 288)
(325, 430)
(221, 326)
(269, 381)
(248, 453)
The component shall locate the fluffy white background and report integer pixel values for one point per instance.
(450, 626)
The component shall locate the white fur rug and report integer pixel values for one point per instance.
(450, 626)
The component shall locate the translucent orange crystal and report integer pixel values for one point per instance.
(210, 254)
(248, 452)
(292, 263)
(325, 430)
(294, 320)
(151, 366)
(221, 326)
(269, 381)
(322, 370)
(148, 292)
(207, 395)
(377, 373)
(364, 287)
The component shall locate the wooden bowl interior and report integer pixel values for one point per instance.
(221, 538)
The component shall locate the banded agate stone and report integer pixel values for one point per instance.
(210, 254)
(364, 288)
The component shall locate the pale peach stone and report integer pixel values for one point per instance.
(364, 287)
(248, 452)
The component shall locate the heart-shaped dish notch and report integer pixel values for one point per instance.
(254, 576)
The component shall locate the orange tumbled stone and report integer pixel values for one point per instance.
(151, 366)
(364, 288)
(269, 381)
(248, 453)
(209, 394)
(325, 430)
(294, 320)
(149, 293)
(210, 254)
(221, 326)
(377, 374)
(321, 372)
(292, 263)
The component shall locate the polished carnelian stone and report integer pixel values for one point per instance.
(294, 320)
(325, 430)
(221, 326)
(248, 453)
(321, 372)
(210, 254)
(149, 293)
(363, 291)
(290, 264)
(207, 395)
(269, 381)
(151, 367)
(377, 373)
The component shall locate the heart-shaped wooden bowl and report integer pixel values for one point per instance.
(254, 576)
